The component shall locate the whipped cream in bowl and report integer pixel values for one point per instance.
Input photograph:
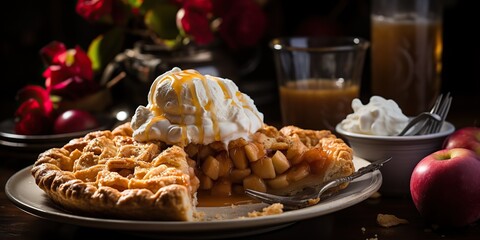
(372, 132)
(185, 107)
(379, 117)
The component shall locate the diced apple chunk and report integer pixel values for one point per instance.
(264, 168)
(237, 175)
(278, 182)
(204, 152)
(205, 182)
(222, 188)
(211, 167)
(255, 183)
(280, 162)
(225, 164)
(252, 152)
(298, 172)
(239, 158)
(279, 146)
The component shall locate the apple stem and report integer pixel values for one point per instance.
(444, 156)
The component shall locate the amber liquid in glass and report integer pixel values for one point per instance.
(316, 104)
(406, 61)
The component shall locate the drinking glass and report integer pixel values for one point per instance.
(406, 52)
(318, 78)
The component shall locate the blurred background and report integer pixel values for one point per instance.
(29, 25)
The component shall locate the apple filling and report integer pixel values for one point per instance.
(280, 161)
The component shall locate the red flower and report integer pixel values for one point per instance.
(193, 19)
(37, 93)
(240, 23)
(243, 22)
(70, 74)
(35, 114)
(30, 120)
(94, 10)
(73, 88)
(75, 61)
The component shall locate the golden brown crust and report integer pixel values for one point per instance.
(109, 174)
(329, 157)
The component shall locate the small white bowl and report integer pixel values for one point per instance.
(406, 152)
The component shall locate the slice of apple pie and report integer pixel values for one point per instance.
(109, 174)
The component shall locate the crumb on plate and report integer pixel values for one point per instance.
(199, 216)
(273, 209)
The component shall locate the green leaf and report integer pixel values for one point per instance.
(135, 3)
(161, 19)
(105, 47)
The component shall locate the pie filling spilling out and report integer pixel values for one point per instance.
(198, 138)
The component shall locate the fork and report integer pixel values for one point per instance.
(441, 107)
(311, 195)
(420, 123)
(429, 122)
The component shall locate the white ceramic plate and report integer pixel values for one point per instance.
(220, 221)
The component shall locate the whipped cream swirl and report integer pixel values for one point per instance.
(379, 117)
(185, 107)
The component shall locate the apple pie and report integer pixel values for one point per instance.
(109, 174)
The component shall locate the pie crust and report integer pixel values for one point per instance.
(108, 174)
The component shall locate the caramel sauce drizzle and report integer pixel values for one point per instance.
(184, 79)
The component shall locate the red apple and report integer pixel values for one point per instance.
(445, 187)
(468, 137)
(74, 121)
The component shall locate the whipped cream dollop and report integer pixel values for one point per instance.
(379, 117)
(185, 107)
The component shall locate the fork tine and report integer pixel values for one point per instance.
(419, 124)
(427, 125)
(434, 109)
(437, 103)
(444, 112)
(422, 130)
(410, 124)
(437, 108)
